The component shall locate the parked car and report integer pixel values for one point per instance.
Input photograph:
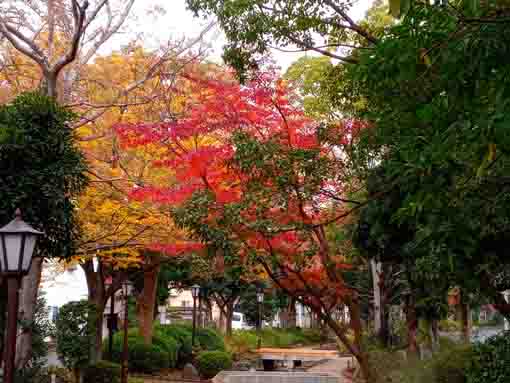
(239, 322)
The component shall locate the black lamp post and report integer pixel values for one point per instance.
(195, 290)
(17, 244)
(260, 301)
(126, 289)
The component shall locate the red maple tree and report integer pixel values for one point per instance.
(248, 164)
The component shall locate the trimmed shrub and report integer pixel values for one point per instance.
(142, 358)
(210, 363)
(491, 360)
(183, 336)
(169, 344)
(102, 372)
(242, 341)
(210, 340)
(206, 339)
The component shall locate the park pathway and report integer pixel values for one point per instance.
(334, 366)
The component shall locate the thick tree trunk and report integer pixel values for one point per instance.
(96, 295)
(28, 300)
(434, 330)
(229, 315)
(412, 326)
(147, 299)
(96, 351)
(355, 347)
(466, 322)
(376, 268)
(222, 321)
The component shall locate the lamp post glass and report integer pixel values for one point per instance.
(195, 290)
(17, 244)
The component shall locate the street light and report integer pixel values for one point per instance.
(260, 300)
(17, 244)
(195, 290)
(126, 289)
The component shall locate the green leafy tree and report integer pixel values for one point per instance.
(436, 91)
(41, 172)
(252, 27)
(75, 334)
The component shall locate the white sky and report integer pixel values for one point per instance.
(178, 22)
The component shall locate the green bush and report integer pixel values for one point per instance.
(210, 340)
(242, 341)
(75, 333)
(206, 339)
(142, 358)
(183, 336)
(210, 363)
(102, 372)
(169, 344)
(448, 325)
(491, 360)
(450, 366)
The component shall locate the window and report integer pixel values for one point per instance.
(236, 318)
(184, 303)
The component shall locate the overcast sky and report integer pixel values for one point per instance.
(178, 22)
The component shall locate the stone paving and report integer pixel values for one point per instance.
(333, 366)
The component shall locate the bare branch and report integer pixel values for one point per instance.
(108, 31)
(17, 39)
(79, 15)
(310, 47)
(353, 26)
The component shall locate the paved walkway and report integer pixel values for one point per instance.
(333, 366)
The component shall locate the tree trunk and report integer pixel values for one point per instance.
(466, 322)
(412, 326)
(28, 300)
(229, 315)
(355, 346)
(96, 350)
(434, 327)
(376, 269)
(96, 295)
(222, 321)
(147, 299)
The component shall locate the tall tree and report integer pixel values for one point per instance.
(259, 182)
(436, 91)
(42, 172)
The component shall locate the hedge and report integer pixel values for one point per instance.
(170, 348)
(210, 363)
(144, 358)
(491, 360)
